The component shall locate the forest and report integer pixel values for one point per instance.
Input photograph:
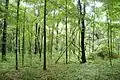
(59, 40)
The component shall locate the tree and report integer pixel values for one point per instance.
(93, 28)
(52, 34)
(5, 32)
(83, 57)
(44, 65)
(66, 36)
(109, 34)
(23, 37)
(17, 24)
(36, 34)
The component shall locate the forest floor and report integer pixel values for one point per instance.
(95, 70)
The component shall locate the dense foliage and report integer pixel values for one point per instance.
(55, 32)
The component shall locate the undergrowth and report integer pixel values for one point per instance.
(92, 70)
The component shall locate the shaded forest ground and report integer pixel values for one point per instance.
(92, 70)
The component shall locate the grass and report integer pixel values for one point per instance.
(33, 70)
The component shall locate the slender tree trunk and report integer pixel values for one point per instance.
(44, 65)
(52, 35)
(13, 43)
(49, 41)
(57, 37)
(23, 39)
(39, 45)
(79, 42)
(74, 42)
(30, 46)
(52, 41)
(71, 49)
(4, 37)
(66, 36)
(19, 41)
(36, 30)
(118, 48)
(89, 44)
(16, 50)
(108, 34)
(83, 57)
(10, 48)
(93, 28)
(113, 37)
(93, 38)
(36, 46)
(111, 41)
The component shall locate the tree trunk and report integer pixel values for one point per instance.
(16, 50)
(23, 41)
(83, 57)
(36, 41)
(57, 36)
(30, 46)
(5, 32)
(44, 65)
(93, 28)
(89, 44)
(66, 36)
(52, 35)
(118, 47)
(36, 32)
(79, 42)
(108, 34)
(39, 45)
(19, 41)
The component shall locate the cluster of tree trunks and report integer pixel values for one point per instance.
(38, 44)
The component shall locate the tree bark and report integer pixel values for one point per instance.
(66, 35)
(23, 41)
(52, 34)
(57, 36)
(36, 36)
(93, 28)
(83, 57)
(16, 50)
(109, 34)
(4, 37)
(44, 65)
